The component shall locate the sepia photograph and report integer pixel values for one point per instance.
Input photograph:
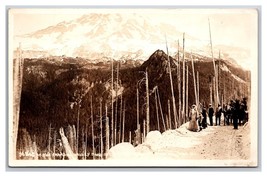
(133, 87)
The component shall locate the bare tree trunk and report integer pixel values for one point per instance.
(83, 142)
(183, 100)
(144, 128)
(86, 134)
(186, 103)
(194, 79)
(169, 114)
(101, 130)
(107, 130)
(218, 77)
(162, 116)
(215, 71)
(123, 122)
(167, 122)
(77, 133)
(112, 109)
(66, 146)
(137, 116)
(92, 123)
(49, 139)
(74, 139)
(54, 146)
(214, 91)
(120, 120)
(224, 95)
(157, 112)
(35, 148)
(172, 92)
(17, 88)
(116, 108)
(147, 103)
(197, 87)
(179, 84)
(211, 91)
(130, 137)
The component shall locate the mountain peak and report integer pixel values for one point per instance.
(158, 59)
(157, 64)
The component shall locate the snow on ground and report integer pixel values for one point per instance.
(156, 142)
(215, 145)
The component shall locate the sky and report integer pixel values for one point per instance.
(236, 27)
(231, 27)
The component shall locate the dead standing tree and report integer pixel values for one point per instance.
(217, 100)
(183, 97)
(172, 92)
(179, 82)
(112, 108)
(147, 105)
(17, 87)
(194, 79)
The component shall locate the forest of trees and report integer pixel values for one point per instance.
(58, 94)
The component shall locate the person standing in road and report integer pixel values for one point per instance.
(236, 114)
(193, 126)
(204, 115)
(218, 115)
(210, 113)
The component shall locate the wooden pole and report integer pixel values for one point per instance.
(172, 92)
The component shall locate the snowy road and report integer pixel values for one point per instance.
(215, 144)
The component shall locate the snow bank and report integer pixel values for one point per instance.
(153, 140)
(122, 151)
(159, 146)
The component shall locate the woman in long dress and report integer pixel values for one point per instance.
(193, 126)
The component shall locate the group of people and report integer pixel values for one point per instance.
(235, 113)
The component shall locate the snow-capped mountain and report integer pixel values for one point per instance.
(120, 36)
(99, 35)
